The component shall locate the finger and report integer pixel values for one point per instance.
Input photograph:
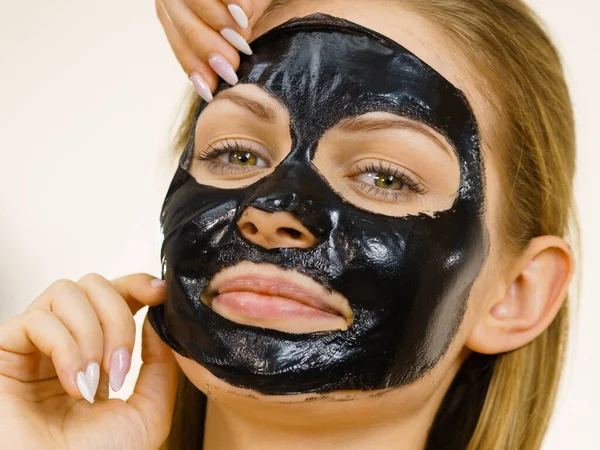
(154, 393)
(103, 391)
(39, 329)
(69, 303)
(139, 290)
(206, 81)
(220, 15)
(118, 326)
(203, 40)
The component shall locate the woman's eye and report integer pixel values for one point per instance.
(387, 181)
(232, 156)
(382, 180)
(242, 158)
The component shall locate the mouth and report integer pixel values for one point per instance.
(267, 296)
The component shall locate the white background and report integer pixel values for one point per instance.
(89, 92)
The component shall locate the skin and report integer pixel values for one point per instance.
(513, 301)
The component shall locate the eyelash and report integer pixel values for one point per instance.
(388, 170)
(231, 145)
(223, 147)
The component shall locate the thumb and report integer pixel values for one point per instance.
(154, 393)
(139, 290)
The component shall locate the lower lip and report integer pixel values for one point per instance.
(252, 305)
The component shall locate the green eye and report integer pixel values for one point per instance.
(383, 180)
(242, 158)
(388, 182)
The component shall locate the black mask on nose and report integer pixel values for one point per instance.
(407, 279)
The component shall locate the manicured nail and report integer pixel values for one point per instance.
(84, 387)
(119, 366)
(238, 15)
(156, 282)
(92, 376)
(236, 40)
(201, 88)
(222, 67)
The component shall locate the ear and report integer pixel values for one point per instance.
(534, 293)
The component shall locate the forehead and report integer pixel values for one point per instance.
(407, 28)
(326, 69)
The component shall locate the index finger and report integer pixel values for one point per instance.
(139, 290)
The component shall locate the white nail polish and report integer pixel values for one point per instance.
(84, 388)
(238, 15)
(92, 376)
(236, 40)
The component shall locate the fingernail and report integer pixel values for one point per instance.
(236, 40)
(238, 15)
(119, 366)
(201, 87)
(222, 67)
(156, 282)
(92, 376)
(84, 388)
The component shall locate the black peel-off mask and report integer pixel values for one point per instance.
(407, 279)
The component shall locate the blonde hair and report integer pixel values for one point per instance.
(518, 69)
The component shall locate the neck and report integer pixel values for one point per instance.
(394, 419)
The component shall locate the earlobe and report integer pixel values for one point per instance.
(535, 293)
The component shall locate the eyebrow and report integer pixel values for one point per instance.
(260, 109)
(361, 124)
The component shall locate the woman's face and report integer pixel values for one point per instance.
(378, 162)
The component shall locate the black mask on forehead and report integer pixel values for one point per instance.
(407, 279)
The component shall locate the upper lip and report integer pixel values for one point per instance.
(268, 279)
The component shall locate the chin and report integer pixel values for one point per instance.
(352, 408)
(218, 389)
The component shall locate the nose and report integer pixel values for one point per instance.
(279, 229)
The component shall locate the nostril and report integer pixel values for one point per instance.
(249, 228)
(291, 232)
(279, 229)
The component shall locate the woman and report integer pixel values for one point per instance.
(494, 383)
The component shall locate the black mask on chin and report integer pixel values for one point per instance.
(407, 279)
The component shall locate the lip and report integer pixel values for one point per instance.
(263, 293)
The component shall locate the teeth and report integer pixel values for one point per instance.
(333, 301)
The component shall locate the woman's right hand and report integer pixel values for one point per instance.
(206, 35)
(63, 347)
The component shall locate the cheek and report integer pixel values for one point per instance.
(495, 205)
(482, 297)
(489, 286)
